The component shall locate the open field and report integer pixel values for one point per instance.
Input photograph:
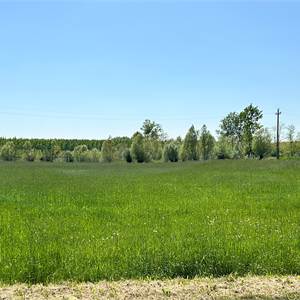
(90, 222)
(228, 288)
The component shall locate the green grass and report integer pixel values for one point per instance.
(87, 222)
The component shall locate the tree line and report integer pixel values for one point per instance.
(240, 135)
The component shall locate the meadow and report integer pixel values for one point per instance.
(88, 222)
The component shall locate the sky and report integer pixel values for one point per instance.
(91, 69)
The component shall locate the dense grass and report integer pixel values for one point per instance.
(87, 222)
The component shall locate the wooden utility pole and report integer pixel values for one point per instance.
(278, 113)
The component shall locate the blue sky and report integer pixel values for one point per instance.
(95, 68)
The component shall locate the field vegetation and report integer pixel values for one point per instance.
(241, 135)
(88, 222)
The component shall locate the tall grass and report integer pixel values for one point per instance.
(87, 222)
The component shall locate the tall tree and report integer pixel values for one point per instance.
(137, 148)
(189, 147)
(29, 153)
(207, 142)
(107, 151)
(262, 143)
(250, 118)
(8, 151)
(291, 132)
(152, 130)
(231, 128)
(153, 139)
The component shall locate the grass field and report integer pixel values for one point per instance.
(88, 222)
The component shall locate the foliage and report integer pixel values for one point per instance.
(94, 155)
(235, 140)
(8, 151)
(171, 152)
(291, 132)
(207, 143)
(29, 153)
(152, 130)
(250, 118)
(224, 148)
(241, 128)
(153, 149)
(231, 128)
(80, 153)
(189, 147)
(262, 143)
(127, 156)
(68, 156)
(137, 148)
(107, 151)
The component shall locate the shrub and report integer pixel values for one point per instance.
(80, 153)
(262, 143)
(137, 148)
(68, 156)
(189, 147)
(94, 155)
(223, 149)
(127, 156)
(8, 152)
(47, 155)
(206, 143)
(38, 155)
(29, 153)
(171, 152)
(106, 151)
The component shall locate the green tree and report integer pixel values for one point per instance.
(80, 153)
(207, 143)
(94, 155)
(127, 156)
(231, 127)
(28, 152)
(152, 130)
(223, 149)
(250, 118)
(153, 138)
(262, 143)
(171, 152)
(8, 151)
(291, 132)
(189, 147)
(107, 151)
(68, 156)
(137, 148)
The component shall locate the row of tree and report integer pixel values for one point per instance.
(240, 135)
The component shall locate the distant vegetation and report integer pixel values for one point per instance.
(240, 135)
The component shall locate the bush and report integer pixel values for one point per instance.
(80, 153)
(107, 151)
(223, 149)
(68, 156)
(47, 155)
(29, 152)
(94, 155)
(262, 144)
(171, 153)
(206, 143)
(137, 148)
(127, 156)
(189, 147)
(153, 149)
(8, 152)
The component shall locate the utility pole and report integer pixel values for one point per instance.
(278, 113)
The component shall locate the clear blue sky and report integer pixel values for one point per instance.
(92, 69)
